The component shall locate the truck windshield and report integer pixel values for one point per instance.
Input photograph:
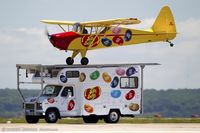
(51, 90)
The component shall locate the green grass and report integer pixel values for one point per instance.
(122, 120)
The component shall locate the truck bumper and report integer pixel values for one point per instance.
(34, 113)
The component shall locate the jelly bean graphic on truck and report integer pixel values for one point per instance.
(130, 95)
(120, 71)
(115, 93)
(94, 75)
(71, 105)
(134, 106)
(88, 108)
(114, 82)
(92, 93)
(131, 71)
(106, 77)
(82, 77)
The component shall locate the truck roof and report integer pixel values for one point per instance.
(60, 66)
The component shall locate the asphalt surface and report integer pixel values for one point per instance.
(102, 128)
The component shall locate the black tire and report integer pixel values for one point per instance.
(171, 45)
(84, 61)
(32, 119)
(70, 61)
(51, 116)
(112, 117)
(90, 119)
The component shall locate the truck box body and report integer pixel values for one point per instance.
(96, 90)
(91, 92)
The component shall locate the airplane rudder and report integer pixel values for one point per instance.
(164, 21)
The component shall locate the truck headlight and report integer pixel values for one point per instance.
(39, 106)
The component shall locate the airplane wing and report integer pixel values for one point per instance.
(58, 22)
(118, 21)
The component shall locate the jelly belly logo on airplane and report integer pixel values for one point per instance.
(92, 93)
(90, 40)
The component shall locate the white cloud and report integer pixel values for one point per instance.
(189, 28)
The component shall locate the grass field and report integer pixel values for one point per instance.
(123, 120)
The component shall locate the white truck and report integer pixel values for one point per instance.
(92, 92)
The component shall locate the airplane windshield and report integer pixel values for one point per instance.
(85, 29)
(92, 30)
(51, 90)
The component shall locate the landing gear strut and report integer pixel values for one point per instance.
(170, 43)
(69, 61)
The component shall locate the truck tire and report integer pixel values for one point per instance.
(31, 119)
(112, 117)
(51, 116)
(90, 119)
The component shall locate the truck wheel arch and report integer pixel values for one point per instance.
(118, 110)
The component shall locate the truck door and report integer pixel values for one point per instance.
(67, 102)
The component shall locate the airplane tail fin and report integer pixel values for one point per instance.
(164, 22)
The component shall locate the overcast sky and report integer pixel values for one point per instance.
(22, 38)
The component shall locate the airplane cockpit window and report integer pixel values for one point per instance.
(104, 30)
(85, 31)
(77, 27)
(94, 30)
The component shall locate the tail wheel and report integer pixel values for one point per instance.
(84, 61)
(51, 116)
(32, 119)
(70, 61)
(90, 119)
(112, 117)
(171, 45)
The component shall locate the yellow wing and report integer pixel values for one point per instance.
(58, 22)
(118, 21)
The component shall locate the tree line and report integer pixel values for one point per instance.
(166, 103)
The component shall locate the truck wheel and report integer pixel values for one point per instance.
(32, 119)
(51, 116)
(90, 119)
(112, 117)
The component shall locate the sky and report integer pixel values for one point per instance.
(22, 38)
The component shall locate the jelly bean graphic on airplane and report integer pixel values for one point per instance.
(80, 37)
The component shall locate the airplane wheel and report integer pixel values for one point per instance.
(69, 61)
(171, 44)
(84, 61)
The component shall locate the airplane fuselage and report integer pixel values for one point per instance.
(115, 36)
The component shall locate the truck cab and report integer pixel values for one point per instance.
(54, 101)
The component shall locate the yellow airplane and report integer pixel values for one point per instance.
(80, 37)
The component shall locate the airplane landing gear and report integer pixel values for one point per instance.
(69, 61)
(170, 43)
(84, 61)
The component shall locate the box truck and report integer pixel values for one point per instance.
(92, 92)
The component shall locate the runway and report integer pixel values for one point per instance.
(103, 128)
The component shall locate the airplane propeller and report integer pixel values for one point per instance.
(47, 33)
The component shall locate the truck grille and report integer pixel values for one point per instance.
(29, 106)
